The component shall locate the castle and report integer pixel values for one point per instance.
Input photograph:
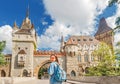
(75, 55)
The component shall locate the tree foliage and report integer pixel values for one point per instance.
(2, 46)
(117, 22)
(111, 2)
(117, 53)
(106, 62)
(41, 72)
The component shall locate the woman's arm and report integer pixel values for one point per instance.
(51, 69)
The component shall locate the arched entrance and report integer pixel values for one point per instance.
(73, 74)
(3, 74)
(41, 70)
(86, 70)
(25, 73)
(43, 74)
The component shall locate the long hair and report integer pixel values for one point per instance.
(56, 58)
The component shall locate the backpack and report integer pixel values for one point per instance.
(60, 74)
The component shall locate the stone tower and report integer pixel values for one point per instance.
(79, 56)
(23, 46)
(104, 33)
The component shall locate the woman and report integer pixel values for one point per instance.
(52, 69)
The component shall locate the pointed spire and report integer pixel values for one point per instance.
(27, 13)
(15, 26)
(102, 22)
(26, 22)
(103, 27)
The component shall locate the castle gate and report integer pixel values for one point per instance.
(41, 66)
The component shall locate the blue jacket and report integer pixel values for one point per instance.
(51, 71)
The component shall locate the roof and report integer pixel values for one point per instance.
(23, 31)
(74, 40)
(103, 27)
(8, 55)
(48, 53)
(21, 52)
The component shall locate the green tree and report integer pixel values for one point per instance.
(106, 62)
(117, 53)
(117, 22)
(2, 46)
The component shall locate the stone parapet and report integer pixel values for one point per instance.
(97, 79)
(48, 53)
(15, 80)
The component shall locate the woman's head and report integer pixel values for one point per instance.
(53, 58)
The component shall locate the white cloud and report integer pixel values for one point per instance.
(72, 17)
(52, 36)
(5, 35)
(80, 14)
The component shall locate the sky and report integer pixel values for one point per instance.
(55, 18)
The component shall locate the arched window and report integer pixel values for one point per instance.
(86, 58)
(73, 74)
(70, 53)
(25, 73)
(74, 53)
(92, 57)
(79, 58)
(21, 58)
(3, 74)
(86, 70)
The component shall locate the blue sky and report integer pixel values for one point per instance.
(54, 18)
(15, 10)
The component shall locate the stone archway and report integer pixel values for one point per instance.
(73, 74)
(86, 70)
(3, 73)
(25, 73)
(41, 70)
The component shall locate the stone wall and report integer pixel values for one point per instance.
(97, 79)
(6, 69)
(15, 80)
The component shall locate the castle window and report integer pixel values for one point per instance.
(74, 53)
(73, 74)
(78, 40)
(3, 73)
(79, 58)
(19, 48)
(90, 39)
(84, 39)
(21, 60)
(92, 58)
(26, 48)
(86, 58)
(70, 53)
(73, 39)
(25, 73)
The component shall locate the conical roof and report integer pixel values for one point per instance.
(103, 27)
(15, 27)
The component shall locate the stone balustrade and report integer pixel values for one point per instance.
(15, 80)
(97, 79)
